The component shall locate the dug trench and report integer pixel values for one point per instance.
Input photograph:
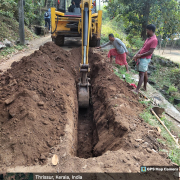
(39, 117)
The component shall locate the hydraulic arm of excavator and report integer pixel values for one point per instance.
(86, 20)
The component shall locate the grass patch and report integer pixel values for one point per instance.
(121, 71)
(9, 50)
(147, 116)
(146, 103)
(169, 76)
(171, 99)
(164, 75)
(174, 155)
(9, 29)
(174, 151)
(168, 124)
(172, 89)
(161, 76)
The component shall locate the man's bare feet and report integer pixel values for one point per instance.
(134, 91)
(142, 89)
(145, 88)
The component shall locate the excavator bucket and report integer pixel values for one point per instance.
(83, 87)
(83, 97)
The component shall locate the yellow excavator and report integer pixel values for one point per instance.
(79, 19)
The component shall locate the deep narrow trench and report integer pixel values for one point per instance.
(85, 133)
(87, 136)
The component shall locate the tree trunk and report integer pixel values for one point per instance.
(45, 3)
(143, 32)
(146, 12)
(164, 47)
(21, 22)
(40, 7)
(160, 43)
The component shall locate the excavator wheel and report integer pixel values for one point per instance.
(59, 40)
(98, 43)
(94, 42)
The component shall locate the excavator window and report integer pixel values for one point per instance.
(66, 7)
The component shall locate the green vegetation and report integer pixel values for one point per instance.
(174, 151)
(174, 155)
(9, 25)
(135, 41)
(112, 27)
(32, 11)
(169, 76)
(33, 15)
(8, 8)
(9, 29)
(136, 15)
(9, 50)
(121, 71)
(163, 76)
(116, 26)
(172, 89)
(144, 102)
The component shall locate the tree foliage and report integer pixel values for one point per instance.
(112, 9)
(136, 14)
(32, 10)
(8, 7)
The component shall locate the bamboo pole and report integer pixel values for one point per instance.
(165, 128)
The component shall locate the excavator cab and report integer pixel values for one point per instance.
(64, 6)
(68, 24)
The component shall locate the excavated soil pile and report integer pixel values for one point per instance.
(39, 100)
(38, 95)
(116, 113)
(116, 122)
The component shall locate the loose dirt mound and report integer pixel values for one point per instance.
(116, 113)
(39, 110)
(38, 94)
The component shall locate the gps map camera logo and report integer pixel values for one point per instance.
(143, 169)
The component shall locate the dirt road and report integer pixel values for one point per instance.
(173, 55)
(34, 45)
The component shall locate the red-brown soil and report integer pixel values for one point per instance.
(38, 94)
(39, 117)
(116, 113)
